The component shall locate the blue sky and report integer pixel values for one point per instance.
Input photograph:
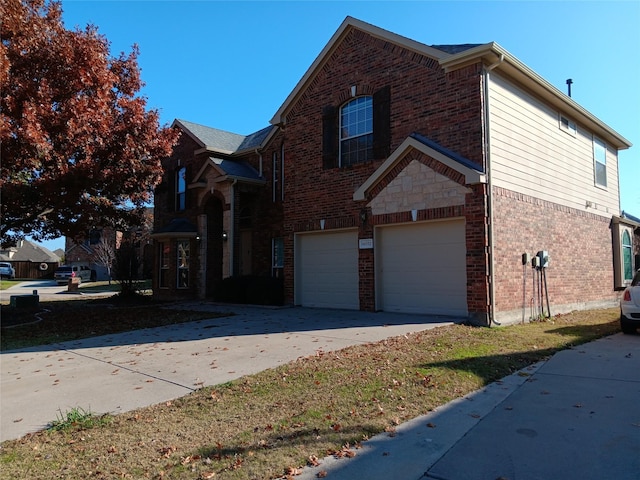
(230, 65)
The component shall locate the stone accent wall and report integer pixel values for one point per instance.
(418, 187)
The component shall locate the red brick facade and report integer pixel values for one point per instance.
(307, 193)
(579, 246)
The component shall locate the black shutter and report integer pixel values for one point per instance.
(171, 191)
(382, 123)
(329, 137)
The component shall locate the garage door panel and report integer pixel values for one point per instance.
(327, 270)
(421, 268)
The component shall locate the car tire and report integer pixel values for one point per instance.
(628, 327)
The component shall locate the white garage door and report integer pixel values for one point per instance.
(327, 270)
(421, 268)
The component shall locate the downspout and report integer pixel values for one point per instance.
(259, 154)
(490, 233)
(232, 229)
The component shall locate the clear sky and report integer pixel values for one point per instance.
(230, 65)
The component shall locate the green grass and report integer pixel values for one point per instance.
(265, 425)
(77, 419)
(5, 284)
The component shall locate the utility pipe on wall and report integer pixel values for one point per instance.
(490, 233)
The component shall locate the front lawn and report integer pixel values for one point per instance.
(270, 424)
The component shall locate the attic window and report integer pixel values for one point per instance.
(567, 125)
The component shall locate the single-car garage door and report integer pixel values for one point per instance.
(421, 268)
(327, 270)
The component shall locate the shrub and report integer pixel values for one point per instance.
(250, 289)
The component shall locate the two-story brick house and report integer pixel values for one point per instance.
(403, 177)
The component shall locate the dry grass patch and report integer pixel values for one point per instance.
(271, 424)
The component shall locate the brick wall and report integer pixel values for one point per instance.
(444, 107)
(580, 250)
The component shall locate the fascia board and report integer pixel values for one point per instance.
(471, 176)
(348, 24)
(491, 53)
(210, 149)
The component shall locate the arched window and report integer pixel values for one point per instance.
(181, 189)
(627, 266)
(356, 131)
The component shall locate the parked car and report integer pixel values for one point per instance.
(7, 271)
(630, 306)
(64, 272)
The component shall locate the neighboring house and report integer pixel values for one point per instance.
(31, 260)
(82, 251)
(403, 177)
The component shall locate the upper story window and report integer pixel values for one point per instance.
(181, 188)
(356, 131)
(567, 125)
(275, 181)
(600, 162)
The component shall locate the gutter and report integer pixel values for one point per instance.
(491, 236)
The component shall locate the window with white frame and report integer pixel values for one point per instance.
(567, 125)
(183, 263)
(181, 189)
(356, 131)
(627, 256)
(600, 162)
(164, 250)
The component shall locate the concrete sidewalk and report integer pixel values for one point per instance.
(122, 372)
(574, 417)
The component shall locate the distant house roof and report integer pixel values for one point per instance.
(26, 251)
(221, 141)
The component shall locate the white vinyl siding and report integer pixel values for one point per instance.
(326, 270)
(531, 155)
(421, 268)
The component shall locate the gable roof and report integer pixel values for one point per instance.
(221, 141)
(347, 26)
(452, 57)
(229, 169)
(434, 150)
(27, 251)
(494, 56)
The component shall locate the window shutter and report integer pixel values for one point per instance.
(382, 123)
(329, 137)
(171, 191)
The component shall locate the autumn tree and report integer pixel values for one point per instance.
(104, 253)
(79, 150)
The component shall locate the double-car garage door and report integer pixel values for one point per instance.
(419, 268)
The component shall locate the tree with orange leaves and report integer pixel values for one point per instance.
(79, 150)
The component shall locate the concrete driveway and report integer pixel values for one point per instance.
(122, 372)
